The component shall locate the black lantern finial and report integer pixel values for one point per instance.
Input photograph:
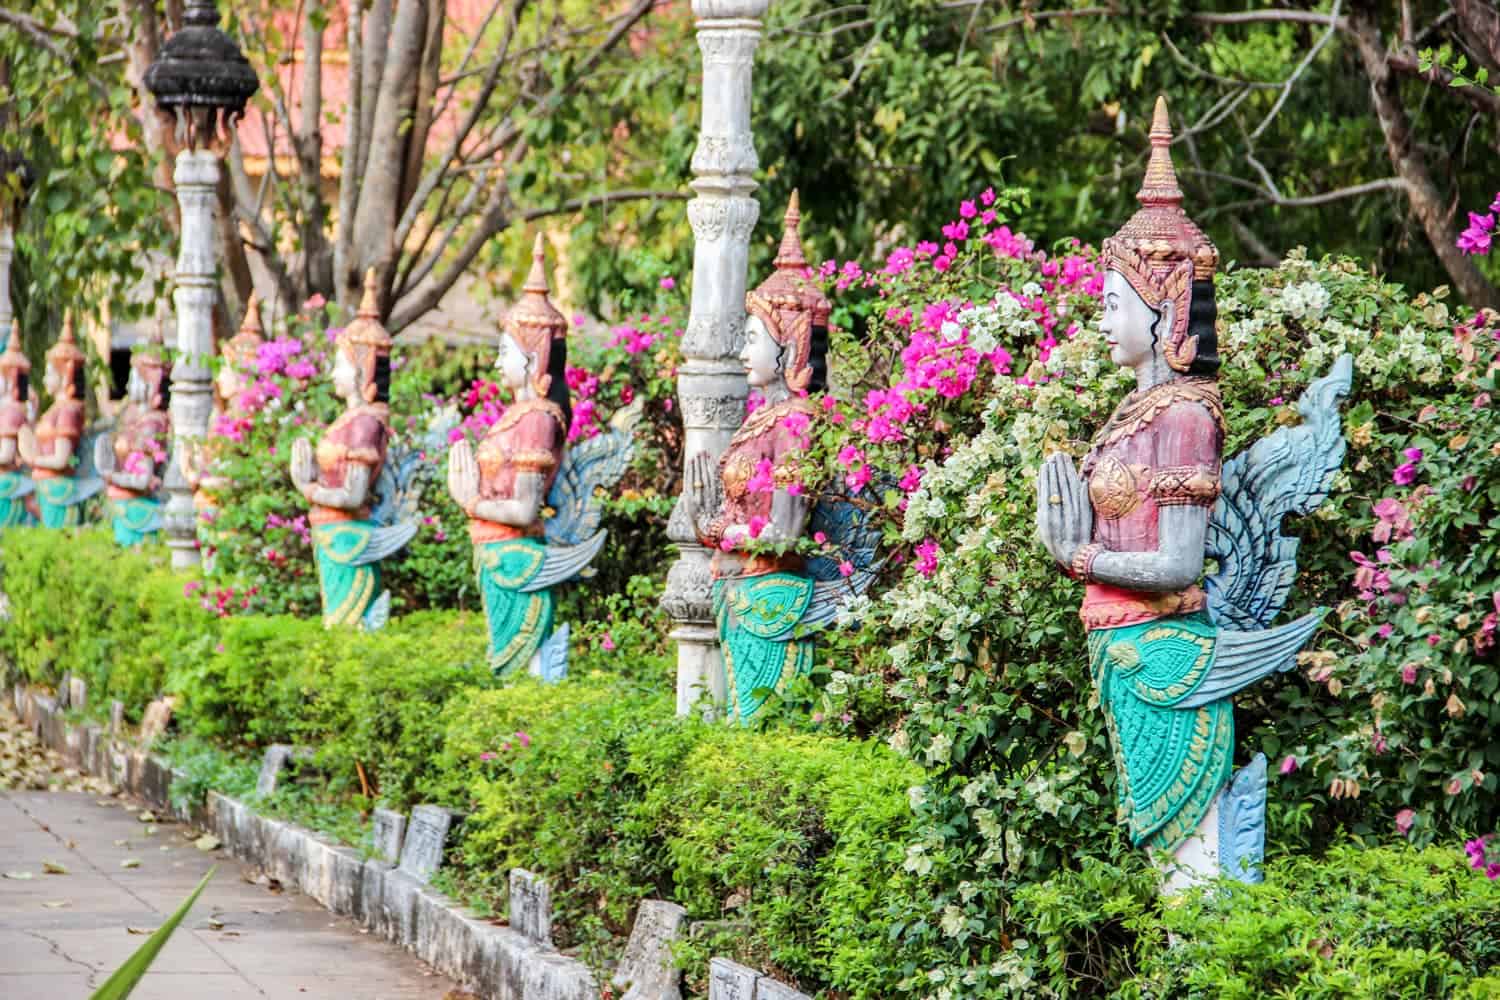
(201, 75)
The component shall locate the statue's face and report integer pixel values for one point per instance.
(1127, 322)
(228, 382)
(513, 362)
(135, 387)
(345, 378)
(52, 381)
(761, 356)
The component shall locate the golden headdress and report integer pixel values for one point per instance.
(789, 303)
(66, 359)
(365, 341)
(1160, 251)
(13, 362)
(244, 347)
(534, 322)
(149, 359)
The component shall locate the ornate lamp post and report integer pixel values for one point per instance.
(15, 181)
(203, 81)
(711, 382)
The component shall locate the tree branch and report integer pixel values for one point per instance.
(603, 198)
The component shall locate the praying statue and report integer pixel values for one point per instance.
(52, 448)
(1152, 503)
(237, 358)
(133, 459)
(340, 478)
(522, 471)
(754, 505)
(17, 412)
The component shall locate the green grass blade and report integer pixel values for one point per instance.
(127, 976)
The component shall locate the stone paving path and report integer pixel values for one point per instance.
(61, 935)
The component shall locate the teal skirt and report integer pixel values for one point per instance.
(519, 622)
(347, 586)
(1171, 761)
(757, 617)
(57, 499)
(135, 520)
(13, 492)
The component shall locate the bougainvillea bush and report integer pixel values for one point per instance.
(260, 541)
(984, 357)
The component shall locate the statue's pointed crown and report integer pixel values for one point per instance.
(534, 322)
(14, 361)
(65, 356)
(1160, 251)
(243, 348)
(1160, 230)
(366, 332)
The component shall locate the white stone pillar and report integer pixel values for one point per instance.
(711, 385)
(7, 254)
(197, 178)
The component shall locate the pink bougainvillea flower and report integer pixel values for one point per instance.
(1408, 673)
(846, 568)
(1476, 238)
(1404, 819)
(668, 283)
(757, 525)
(523, 738)
(1288, 764)
(607, 643)
(762, 481)
(988, 197)
(316, 302)
(927, 557)
(819, 537)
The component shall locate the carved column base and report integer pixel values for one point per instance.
(700, 671)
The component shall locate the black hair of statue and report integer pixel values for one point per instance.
(557, 390)
(1203, 317)
(382, 378)
(818, 359)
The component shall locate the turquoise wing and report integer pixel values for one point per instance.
(1287, 472)
(587, 467)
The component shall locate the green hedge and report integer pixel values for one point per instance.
(792, 840)
(798, 845)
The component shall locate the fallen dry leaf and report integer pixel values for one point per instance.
(57, 904)
(131, 863)
(207, 842)
(147, 816)
(140, 930)
(53, 868)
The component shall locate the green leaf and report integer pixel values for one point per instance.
(127, 976)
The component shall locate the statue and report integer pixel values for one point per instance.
(238, 357)
(766, 603)
(53, 449)
(521, 466)
(133, 460)
(1153, 501)
(16, 415)
(339, 480)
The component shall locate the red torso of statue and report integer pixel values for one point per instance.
(1162, 447)
(63, 421)
(141, 443)
(763, 437)
(528, 437)
(12, 418)
(359, 436)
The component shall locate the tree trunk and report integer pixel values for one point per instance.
(375, 217)
(1425, 198)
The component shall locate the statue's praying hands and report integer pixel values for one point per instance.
(304, 467)
(1064, 517)
(463, 474)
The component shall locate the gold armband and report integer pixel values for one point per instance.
(1185, 485)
